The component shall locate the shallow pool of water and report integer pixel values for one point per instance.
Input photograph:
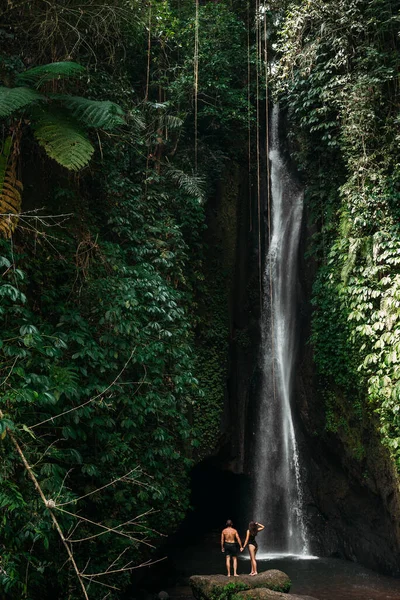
(334, 579)
(323, 578)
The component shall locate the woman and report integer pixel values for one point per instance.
(252, 531)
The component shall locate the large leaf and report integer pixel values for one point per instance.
(93, 113)
(193, 185)
(10, 191)
(63, 140)
(57, 70)
(13, 99)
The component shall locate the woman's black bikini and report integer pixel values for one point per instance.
(252, 540)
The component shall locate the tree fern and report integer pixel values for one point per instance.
(57, 70)
(10, 191)
(63, 140)
(93, 113)
(13, 99)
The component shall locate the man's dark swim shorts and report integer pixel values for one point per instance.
(231, 549)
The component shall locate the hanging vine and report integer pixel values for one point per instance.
(258, 59)
(146, 97)
(268, 184)
(196, 83)
(249, 116)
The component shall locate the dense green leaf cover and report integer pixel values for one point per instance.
(107, 326)
(337, 77)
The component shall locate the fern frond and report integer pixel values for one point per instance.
(159, 105)
(193, 185)
(93, 113)
(173, 122)
(63, 140)
(57, 70)
(350, 261)
(10, 191)
(13, 99)
(137, 119)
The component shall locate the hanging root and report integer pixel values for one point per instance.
(196, 83)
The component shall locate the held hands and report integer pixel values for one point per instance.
(241, 549)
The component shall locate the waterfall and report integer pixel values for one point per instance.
(278, 501)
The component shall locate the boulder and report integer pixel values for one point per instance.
(162, 596)
(221, 587)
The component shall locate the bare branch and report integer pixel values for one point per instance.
(145, 564)
(9, 372)
(75, 500)
(53, 517)
(90, 537)
(117, 559)
(90, 400)
(109, 529)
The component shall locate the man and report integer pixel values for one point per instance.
(229, 537)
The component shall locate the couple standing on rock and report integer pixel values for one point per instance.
(229, 545)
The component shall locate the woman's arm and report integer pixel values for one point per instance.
(247, 539)
(260, 527)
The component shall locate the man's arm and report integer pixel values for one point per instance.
(239, 541)
(222, 542)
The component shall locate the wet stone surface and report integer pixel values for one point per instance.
(209, 587)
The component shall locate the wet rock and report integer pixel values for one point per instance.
(266, 594)
(215, 587)
(162, 596)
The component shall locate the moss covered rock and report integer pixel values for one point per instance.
(219, 587)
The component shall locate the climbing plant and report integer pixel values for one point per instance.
(105, 358)
(339, 86)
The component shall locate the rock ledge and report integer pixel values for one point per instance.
(266, 594)
(269, 585)
(212, 587)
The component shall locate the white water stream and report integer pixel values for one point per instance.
(278, 502)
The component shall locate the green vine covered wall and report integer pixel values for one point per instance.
(114, 326)
(337, 79)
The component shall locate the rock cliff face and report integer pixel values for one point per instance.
(232, 225)
(352, 497)
(353, 487)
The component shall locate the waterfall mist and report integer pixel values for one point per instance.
(278, 490)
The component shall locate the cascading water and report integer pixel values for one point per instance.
(278, 491)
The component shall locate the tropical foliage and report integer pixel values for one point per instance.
(114, 327)
(337, 78)
(106, 326)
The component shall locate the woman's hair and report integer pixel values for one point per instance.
(253, 528)
(229, 523)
